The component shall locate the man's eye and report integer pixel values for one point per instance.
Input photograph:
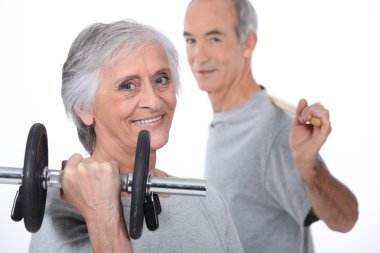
(190, 41)
(214, 40)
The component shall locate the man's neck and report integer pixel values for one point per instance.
(235, 95)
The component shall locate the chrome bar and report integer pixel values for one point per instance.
(159, 185)
(53, 178)
(168, 185)
(126, 182)
(10, 175)
(177, 186)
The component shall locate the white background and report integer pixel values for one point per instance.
(327, 51)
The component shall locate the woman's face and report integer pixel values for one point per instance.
(136, 92)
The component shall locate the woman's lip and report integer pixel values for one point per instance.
(148, 120)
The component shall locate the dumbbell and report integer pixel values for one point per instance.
(35, 178)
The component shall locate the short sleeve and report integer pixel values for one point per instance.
(283, 181)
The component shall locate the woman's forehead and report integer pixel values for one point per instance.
(148, 50)
(146, 60)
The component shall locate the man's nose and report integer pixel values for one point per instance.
(200, 53)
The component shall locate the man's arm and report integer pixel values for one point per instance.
(331, 200)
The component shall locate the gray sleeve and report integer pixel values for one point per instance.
(62, 230)
(283, 181)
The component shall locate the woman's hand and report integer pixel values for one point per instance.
(93, 187)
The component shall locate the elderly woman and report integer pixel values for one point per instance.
(118, 79)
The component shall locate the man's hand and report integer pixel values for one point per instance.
(310, 130)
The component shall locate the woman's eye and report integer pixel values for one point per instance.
(128, 86)
(162, 80)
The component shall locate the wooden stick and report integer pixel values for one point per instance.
(292, 109)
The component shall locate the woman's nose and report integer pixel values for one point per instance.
(149, 98)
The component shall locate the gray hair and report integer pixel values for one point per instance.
(100, 45)
(247, 19)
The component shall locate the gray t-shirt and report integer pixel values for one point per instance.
(249, 162)
(187, 224)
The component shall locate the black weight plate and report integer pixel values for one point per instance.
(34, 195)
(140, 175)
(151, 213)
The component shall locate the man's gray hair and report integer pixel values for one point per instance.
(247, 19)
(100, 45)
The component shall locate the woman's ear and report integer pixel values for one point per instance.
(86, 117)
(250, 44)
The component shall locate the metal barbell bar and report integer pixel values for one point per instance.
(158, 185)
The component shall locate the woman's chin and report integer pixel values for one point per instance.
(158, 143)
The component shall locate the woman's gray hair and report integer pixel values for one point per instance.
(100, 45)
(247, 19)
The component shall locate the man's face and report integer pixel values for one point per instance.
(213, 49)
